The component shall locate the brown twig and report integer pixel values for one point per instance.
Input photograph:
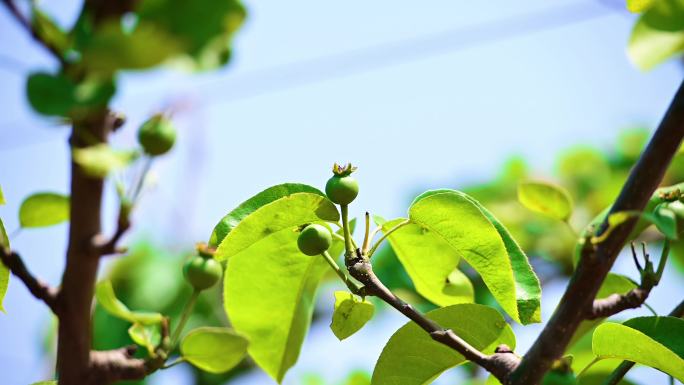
(26, 23)
(38, 288)
(595, 265)
(500, 364)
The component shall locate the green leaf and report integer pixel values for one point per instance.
(665, 220)
(2, 197)
(269, 291)
(111, 48)
(270, 195)
(638, 6)
(545, 198)
(49, 94)
(286, 213)
(657, 342)
(613, 284)
(658, 34)
(214, 349)
(147, 336)
(48, 30)
(54, 382)
(475, 234)
(206, 27)
(104, 292)
(4, 271)
(100, 160)
(350, 314)
(412, 357)
(431, 263)
(44, 209)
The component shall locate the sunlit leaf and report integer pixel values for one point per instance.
(104, 293)
(287, 213)
(431, 263)
(111, 48)
(271, 194)
(545, 198)
(147, 336)
(44, 209)
(638, 6)
(4, 271)
(99, 160)
(269, 292)
(350, 314)
(658, 34)
(2, 197)
(213, 349)
(657, 342)
(412, 357)
(474, 233)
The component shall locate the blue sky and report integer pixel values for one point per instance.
(426, 96)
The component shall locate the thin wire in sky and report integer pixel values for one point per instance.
(384, 55)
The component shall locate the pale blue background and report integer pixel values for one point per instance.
(425, 95)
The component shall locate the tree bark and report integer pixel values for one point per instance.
(82, 260)
(595, 265)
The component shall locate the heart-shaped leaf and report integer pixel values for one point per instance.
(350, 314)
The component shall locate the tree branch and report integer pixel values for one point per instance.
(620, 372)
(594, 266)
(38, 289)
(615, 303)
(500, 364)
(26, 23)
(106, 247)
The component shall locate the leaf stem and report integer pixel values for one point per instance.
(353, 286)
(366, 240)
(387, 234)
(174, 363)
(187, 310)
(141, 179)
(595, 360)
(347, 234)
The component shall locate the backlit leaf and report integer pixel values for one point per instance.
(658, 34)
(657, 342)
(147, 336)
(430, 262)
(350, 314)
(412, 357)
(269, 291)
(287, 213)
(271, 194)
(479, 238)
(214, 349)
(545, 198)
(99, 160)
(104, 293)
(44, 209)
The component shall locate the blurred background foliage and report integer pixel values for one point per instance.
(150, 277)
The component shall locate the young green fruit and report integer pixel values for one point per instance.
(342, 188)
(314, 239)
(157, 135)
(202, 273)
